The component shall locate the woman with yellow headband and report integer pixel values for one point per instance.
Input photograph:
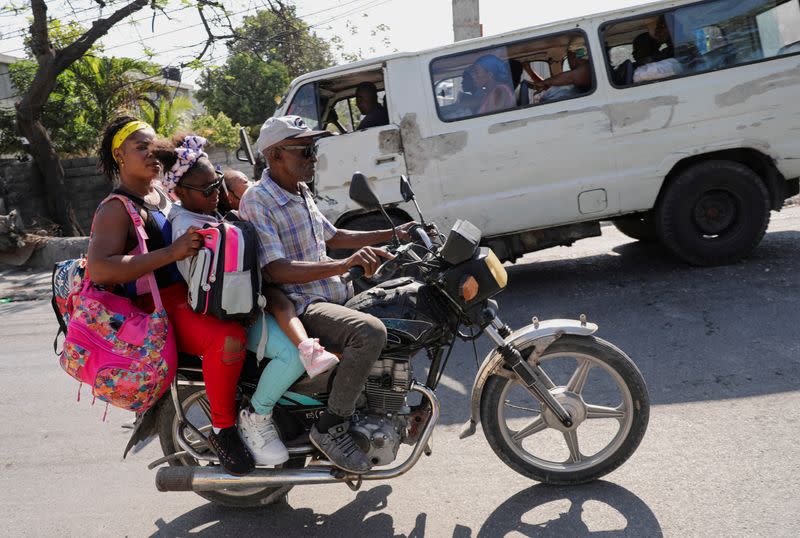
(127, 159)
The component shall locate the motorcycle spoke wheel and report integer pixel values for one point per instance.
(198, 412)
(603, 392)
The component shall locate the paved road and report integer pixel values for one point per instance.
(719, 348)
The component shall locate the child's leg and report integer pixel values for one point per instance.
(282, 371)
(285, 314)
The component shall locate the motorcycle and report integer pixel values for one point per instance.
(557, 404)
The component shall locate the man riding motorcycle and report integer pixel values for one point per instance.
(294, 235)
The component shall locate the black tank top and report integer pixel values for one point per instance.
(159, 235)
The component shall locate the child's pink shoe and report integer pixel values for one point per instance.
(314, 357)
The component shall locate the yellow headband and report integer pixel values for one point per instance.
(125, 132)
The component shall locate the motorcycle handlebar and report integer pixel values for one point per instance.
(353, 273)
(423, 236)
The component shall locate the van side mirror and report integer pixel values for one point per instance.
(405, 189)
(245, 151)
(361, 193)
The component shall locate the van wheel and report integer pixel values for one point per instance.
(713, 213)
(639, 226)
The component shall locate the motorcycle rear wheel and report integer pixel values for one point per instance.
(197, 411)
(601, 388)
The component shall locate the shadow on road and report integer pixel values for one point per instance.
(696, 333)
(363, 516)
(597, 509)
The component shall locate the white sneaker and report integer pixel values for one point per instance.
(261, 438)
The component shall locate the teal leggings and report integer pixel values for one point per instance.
(281, 372)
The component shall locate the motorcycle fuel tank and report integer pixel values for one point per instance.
(408, 310)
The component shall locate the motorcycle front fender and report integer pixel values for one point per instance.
(541, 334)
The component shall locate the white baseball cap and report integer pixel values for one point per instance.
(277, 129)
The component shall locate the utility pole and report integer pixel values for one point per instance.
(466, 20)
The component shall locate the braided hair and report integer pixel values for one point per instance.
(106, 163)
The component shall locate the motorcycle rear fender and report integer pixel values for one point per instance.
(541, 335)
(144, 427)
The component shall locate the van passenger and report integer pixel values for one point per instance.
(570, 83)
(493, 76)
(367, 103)
(645, 51)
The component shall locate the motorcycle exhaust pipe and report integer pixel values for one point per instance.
(182, 478)
(214, 478)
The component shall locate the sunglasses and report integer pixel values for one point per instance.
(208, 190)
(309, 150)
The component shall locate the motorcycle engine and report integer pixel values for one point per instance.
(379, 429)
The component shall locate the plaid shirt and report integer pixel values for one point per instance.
(291, 227)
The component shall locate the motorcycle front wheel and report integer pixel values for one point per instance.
(198, 411)
(604, 393)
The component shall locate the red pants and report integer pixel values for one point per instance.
(205, 336)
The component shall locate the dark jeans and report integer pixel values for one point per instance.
(359, 336)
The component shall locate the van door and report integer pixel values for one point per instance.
(376, 152)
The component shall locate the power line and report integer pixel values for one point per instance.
(369, 4)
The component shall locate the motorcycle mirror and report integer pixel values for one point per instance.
(405, 189)
(245, 151)
(408, 196)
(362, 194)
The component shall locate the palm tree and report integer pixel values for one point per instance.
(113, 85)
(165, 114)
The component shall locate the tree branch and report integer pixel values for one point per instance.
(99, 28)
(41, 47)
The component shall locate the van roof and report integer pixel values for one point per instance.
(378, 61)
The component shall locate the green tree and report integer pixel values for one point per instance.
(65, 114)
(278, 34)
(53, 57)
(219, 130)
(247, 89)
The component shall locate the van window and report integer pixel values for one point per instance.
(304, 104)
(523, 73)
(699, 38)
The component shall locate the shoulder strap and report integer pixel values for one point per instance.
(141, 235)
(62, 327)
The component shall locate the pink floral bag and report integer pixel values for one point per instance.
(126, 355)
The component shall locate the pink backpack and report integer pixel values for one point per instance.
(126, 355)
(225, 276)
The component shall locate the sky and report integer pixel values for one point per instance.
(413, 25)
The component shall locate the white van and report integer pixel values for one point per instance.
(684, 128)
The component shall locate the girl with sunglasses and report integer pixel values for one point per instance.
(191, 177)
(127, 159)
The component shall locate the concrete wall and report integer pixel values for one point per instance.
(21, 187)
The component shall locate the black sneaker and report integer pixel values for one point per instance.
(340, 448)
(232, 454)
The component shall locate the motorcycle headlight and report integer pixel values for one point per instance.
(497, 269)
(472, 281)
